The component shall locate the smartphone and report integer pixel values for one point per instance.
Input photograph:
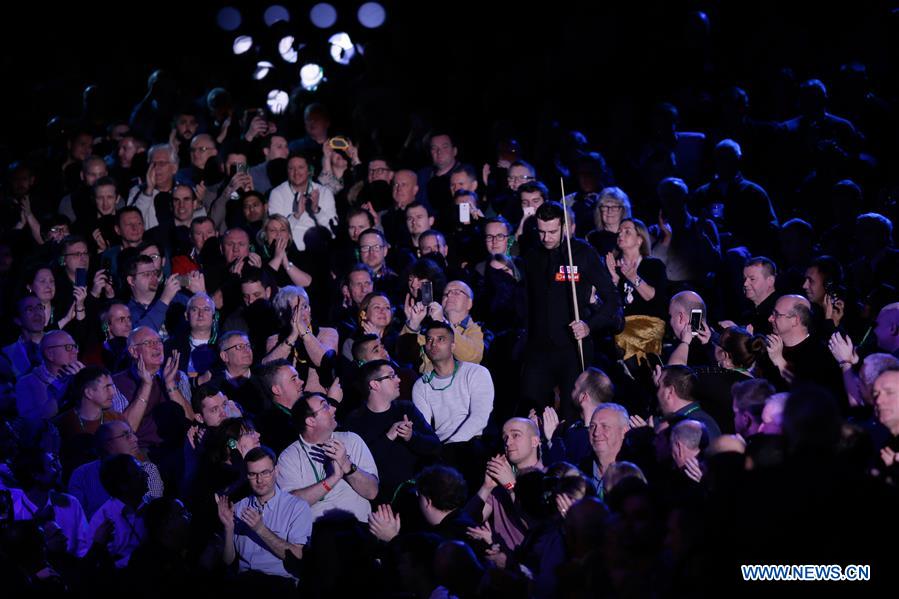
(695, 321)
(528, 211)
(427, 293)
(81, 277)
(184, 280)
(238, 167)
(465, 213)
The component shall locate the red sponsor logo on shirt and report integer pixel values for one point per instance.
(564, 276)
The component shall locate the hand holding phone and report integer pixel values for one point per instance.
(695, 321)
(465, 213)
(427, 293)
(81, 277)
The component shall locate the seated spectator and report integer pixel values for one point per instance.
(21, 357)
(112, 438)
(40, 393)
(116, 326)
(497, 495)
(308, 205)
(569, 441)
(126, 483)
(442, 493)
(40, 475)
(94, 391)
(676, 388)
(283, 388)
(236, 379)
(459, 411)
(469, 339)
(262, 528)
(399, 437)
(327, 469)
(194, 345)
(147, 384)
(749, 399)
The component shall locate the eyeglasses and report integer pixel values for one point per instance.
(149, 273)
(154, 257)
(67, 346)
(781, 315)
(199, 310)
(497, 237)
(365, 249)
(610, 208)
(517, 178)
(392, 375)
(77, 255)
(149, 343)
(128, 433)
(449, 292)
(265, 474)
(378, 170)
(325, 406)
(238, 347)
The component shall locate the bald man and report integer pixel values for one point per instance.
(886, 329)
(799, 358)
(521, 453)
(691, 349)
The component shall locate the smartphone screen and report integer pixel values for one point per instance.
(465, 213)
(696, 321)
(81, 277)
(427, 292)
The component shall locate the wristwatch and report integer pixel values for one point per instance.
(353, 469)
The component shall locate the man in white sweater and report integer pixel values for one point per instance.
(303, 202)
(456, 397)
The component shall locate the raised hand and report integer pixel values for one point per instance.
(415, 313)
(143, 372)
(693, 470)
(255, 260)
(252, 518)
(170, 370)
(563, 503)
(611, 265)
(100, 240)
(383, 523)
(225, 511)
(405, 428)
(842, 348)
(500, 470)
(638, 422)
(335, 391)
(196, 282)
(481, 533)
(336, 451)
(171, 289)
(550, 422)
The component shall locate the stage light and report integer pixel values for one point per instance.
(228, 18)
(371, 15)
(277, 101)
(323, 15)
(311, 75)
(286, 49)
(342, 49)
(275, 13)
(242, 44)
(262, 69)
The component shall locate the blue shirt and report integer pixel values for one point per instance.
(288, 517)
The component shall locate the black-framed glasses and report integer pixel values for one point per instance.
(610, 207)
(238, 347)
(370, 248)
(392, 375)
(77, 255)
(68, 346)
(777, 314)
(149, 273)
(264, 475)
(498, 237)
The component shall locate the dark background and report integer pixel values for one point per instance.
(481, 67)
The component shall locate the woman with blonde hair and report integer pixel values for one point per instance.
(612, 207)
(643, 284)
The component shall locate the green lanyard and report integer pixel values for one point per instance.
(429, 378)
(318, 477)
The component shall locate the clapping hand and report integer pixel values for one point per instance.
(384, 524)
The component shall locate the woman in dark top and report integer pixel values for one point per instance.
(738, 353)
(643, 285)
(612, 207)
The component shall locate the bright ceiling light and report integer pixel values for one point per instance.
(242, 44)
(286, 49)
(342, 49)
(275, 13)
(262, 69)
(228, 18)
(277, 101)
(311, 75)
(371, 15)
(323, 15)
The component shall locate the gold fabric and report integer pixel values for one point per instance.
(641, 335)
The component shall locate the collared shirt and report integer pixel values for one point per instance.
(128, 529)
(288, 517)
(302, 465)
